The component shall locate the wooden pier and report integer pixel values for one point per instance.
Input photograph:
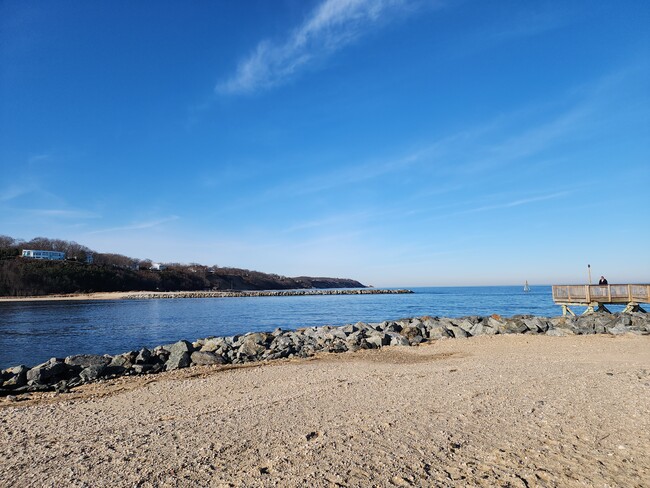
(595, 297)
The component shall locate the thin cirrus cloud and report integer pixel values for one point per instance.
(519, 202)
(331, 26)
(137, 226)
(14, 191)
(64, 213)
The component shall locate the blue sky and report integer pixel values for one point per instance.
(400, 143)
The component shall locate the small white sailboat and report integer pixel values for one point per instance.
(526, 287)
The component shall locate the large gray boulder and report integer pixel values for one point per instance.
(397, 339)
(92, 372)
(355, 337)
(559, 332)
(175, 361)
(255, 344)
(496, 323)
(474, 326)
(143, 368)
(412, 332)
(349, 329)
(179, 355)
(14, 377)
(47, 373)
(281, 342)
(81, 361)
(143, 357)
(178, 348)
(464, 324)
(391, 327)
(336, 333)
(203, 358)
(514, 325)
(213, 344)
(585, 324)
(338, 345)
(536, 325)
(455, 331)
(376, 341)
(120, 363)
(380, 338)
(639, 320)
(438, 331)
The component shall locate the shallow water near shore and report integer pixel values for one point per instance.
(33, 332)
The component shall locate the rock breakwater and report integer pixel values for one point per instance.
(263, 293)
(61, 374)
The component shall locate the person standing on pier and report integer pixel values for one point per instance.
(602, 281)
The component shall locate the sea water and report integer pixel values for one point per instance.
(33, 332)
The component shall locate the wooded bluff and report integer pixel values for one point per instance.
(113, 272)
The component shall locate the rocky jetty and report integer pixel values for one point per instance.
(262, 293)
(61, 374)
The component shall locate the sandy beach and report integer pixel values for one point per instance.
(114, 295)
(512, 410)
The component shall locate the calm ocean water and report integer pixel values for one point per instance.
(33, 332)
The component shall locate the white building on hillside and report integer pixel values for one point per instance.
(38, 254)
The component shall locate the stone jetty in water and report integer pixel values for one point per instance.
(144, 295)
(61, 374)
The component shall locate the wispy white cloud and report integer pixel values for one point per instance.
(518, 202)
(137, 225)
(64, 213)
(531, 21)
(24, 181)
(37, 158)
(15, 191)
(346, 219)
(535, 139)
(330, 27)
(464, 208)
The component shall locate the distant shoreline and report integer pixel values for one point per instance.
(148, 295)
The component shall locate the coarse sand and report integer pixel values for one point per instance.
(512, 410)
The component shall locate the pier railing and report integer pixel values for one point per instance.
(586, 294)
(597, 296)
